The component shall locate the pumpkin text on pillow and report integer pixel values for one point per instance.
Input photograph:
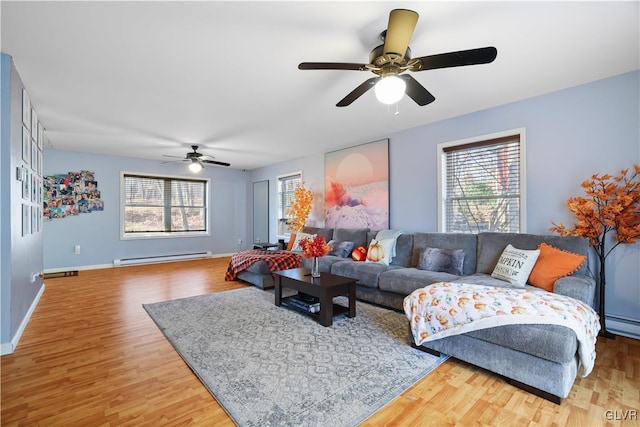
(552, 264)
(515, 265)
(380, 251)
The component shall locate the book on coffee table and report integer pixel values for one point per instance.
(305, 304)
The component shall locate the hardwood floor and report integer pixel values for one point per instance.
(91, 356)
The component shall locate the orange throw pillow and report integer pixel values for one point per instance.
(552, 264)
(292, 239)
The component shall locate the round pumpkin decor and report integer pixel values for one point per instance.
(376, 252)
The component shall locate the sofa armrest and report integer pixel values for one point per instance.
(578, 286)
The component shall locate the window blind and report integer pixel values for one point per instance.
(286, 192)
(482, 186)
(287, 187)
(164, 205)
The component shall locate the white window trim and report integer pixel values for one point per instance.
(277, 215)
(523, 176)
(161, 235)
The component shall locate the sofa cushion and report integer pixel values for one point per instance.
(367, 273)
(552, 264)
(327, 233)
(406, 280)
(491, 245)
(515, 265)
(483, 280)
(326, 262)
(578, 286)
(466, 242)
(404, 249)
(551, 342)
(444, 260)
(356, 235)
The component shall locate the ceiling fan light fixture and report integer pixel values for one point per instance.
(195, 166)
(390, 89)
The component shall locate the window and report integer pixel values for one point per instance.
(162, 206)
(481, 184)
(287, 185)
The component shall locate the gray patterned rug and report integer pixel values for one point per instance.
(270, 366)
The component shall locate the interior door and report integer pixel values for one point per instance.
(261, 211)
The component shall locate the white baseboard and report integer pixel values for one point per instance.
(222, 255)
(101, 266)
(9, 347)
(623, 326)
(78, 268)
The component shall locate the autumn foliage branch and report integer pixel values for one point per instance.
(316, 247)
(612, 204)
(299, 209)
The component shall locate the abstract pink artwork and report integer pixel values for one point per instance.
(357, 187)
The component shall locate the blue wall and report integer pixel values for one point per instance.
(98, 233)
(21, 257)
(570, 135)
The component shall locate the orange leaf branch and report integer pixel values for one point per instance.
(300, 208)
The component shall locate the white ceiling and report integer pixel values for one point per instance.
(143, 79)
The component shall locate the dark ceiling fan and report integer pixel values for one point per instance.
(389, 60)
(197, 160)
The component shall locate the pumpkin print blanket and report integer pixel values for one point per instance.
(444, 309)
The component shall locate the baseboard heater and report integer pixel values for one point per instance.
(57, 274)
(161, 258)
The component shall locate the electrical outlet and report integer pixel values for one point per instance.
(239, 241)
(77, 250)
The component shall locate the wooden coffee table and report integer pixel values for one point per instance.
(325, 288)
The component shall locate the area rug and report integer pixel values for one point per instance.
(271, 366)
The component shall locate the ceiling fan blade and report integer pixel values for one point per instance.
(358, 92)
(483, 55)
(416, 91)
(402, 22)
(175, 157)
(215, 162)
(331, 66)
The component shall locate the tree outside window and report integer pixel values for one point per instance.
(481, 186)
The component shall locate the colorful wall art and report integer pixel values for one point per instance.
(71, 194)
(357, 187)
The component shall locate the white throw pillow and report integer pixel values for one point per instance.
(515, 265)
(380, 251)
(299, 236)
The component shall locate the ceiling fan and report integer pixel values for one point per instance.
(389, 60)
(197, 160)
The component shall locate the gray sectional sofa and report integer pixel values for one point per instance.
(539, 358)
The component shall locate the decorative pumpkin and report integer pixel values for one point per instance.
(376, 252)
(359, 253)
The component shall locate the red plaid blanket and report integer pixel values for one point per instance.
(276, 260)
